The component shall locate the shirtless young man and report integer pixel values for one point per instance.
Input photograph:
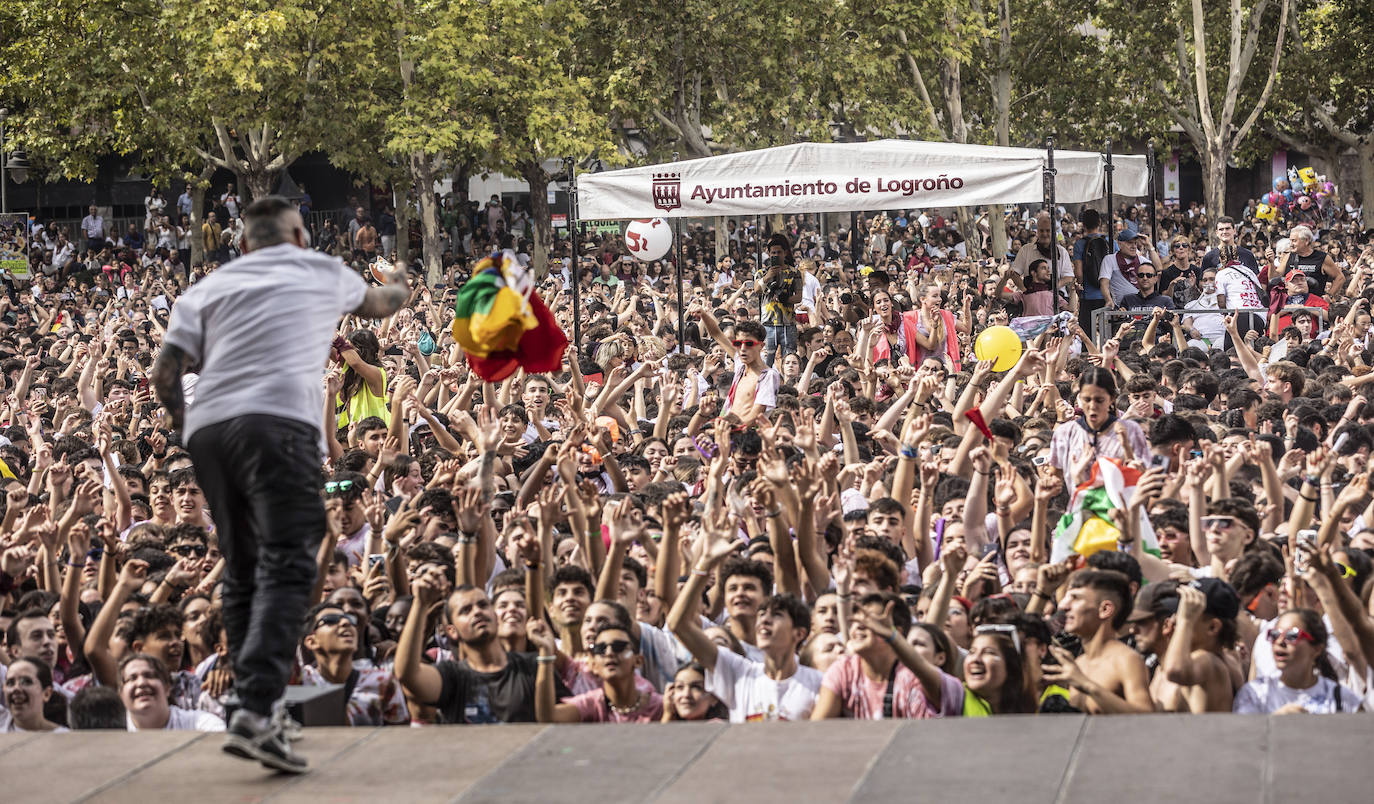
(1109, 678)
(755, 389)
(1196, 677)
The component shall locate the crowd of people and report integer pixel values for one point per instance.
(771, 504)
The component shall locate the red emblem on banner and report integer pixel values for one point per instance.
(667, 191)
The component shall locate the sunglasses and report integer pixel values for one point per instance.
(1218, 522)
(188, 550)
(1001, 628)
(616, 647)
(1347, 572)
(744, 344)
(335, 618)
(1146, 276)
(1289, 637)
(337, 486)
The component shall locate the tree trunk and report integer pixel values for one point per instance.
(198, 214)
(541, 222)
(259, 183)
(1214, 180)
(722, 238)
(400, 202)
(1366, 153)
(422, 173)
(997, 229)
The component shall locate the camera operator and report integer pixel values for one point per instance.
(781, 283)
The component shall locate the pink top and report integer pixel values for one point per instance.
(596, 709)
(862, 697)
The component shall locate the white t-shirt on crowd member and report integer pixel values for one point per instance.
(186, 720)
(752, 696)
(260, 329)
(1265, 695)
(1234, 283)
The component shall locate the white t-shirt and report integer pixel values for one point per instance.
(752, 696)
(186, 720)
(765, 391)
(1029, 254)
(260, 329)
(1211, 327)
(811, 288)
(1120, 285)
(1265, 695)
(1235, 286)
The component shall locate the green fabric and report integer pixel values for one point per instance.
(477, 294)
(975, 706)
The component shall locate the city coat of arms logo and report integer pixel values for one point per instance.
(667, 191)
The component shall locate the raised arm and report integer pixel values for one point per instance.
(422, 681)
(103, 663)
(386, 299)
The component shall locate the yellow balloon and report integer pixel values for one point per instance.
(999, 344)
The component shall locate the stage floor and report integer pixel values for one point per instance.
(1020, 760)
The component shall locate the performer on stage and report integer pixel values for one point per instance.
(258, 332)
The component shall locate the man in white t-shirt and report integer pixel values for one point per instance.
(259, 331)
(777, 688)
(1040, 250)
(1116, 277)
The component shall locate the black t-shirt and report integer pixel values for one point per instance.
(1247, 258)
(1171, 273)
(506, 696)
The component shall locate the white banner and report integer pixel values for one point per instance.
(837, 177)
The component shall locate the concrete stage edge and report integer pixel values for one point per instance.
(1020, 760)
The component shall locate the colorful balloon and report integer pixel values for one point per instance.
(999, 344)
(649, 239)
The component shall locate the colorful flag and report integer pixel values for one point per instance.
(502, 324)
(1088, 526)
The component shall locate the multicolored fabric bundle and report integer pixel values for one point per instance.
(1088, 526)
(502, 324)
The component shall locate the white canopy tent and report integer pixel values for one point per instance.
(838, 177)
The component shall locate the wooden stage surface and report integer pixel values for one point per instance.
(1011, 760)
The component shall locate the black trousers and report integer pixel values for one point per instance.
(1085, 312)
(261, 476)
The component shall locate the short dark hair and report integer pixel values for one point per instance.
(901, 615)
(752, 329)
(1108, 582)
(572, 573)
(641, 574)
(12, 635)
(1171, 428)
(181, 477)
(747, 567)
(95, 708)
(263, 221)
(792, 607)
(150, 619)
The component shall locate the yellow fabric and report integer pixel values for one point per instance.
(1097, 534)
(975, 706)
(500, 328)
(6, 472)
(362, 404)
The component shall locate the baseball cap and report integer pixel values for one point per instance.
(1153, 601)
(1125, 236)
(1294, 274)
(1222, 600)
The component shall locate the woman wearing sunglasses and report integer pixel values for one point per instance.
(1306, 681)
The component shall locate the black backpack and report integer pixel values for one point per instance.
(1094, 251)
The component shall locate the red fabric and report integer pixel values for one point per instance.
(540, 350)
(976, 416)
